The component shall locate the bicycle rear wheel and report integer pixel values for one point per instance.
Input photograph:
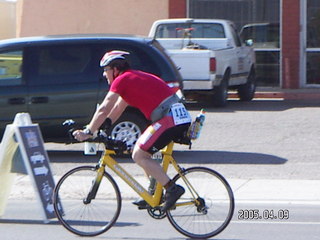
(206, 207)
(76, 213)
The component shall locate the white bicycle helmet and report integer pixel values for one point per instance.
(112, 55)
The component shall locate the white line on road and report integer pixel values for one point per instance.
(277, 222)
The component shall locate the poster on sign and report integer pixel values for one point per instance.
(37, 161)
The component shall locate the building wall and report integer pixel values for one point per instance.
(43, 17)
(7, 19)
(290, 43)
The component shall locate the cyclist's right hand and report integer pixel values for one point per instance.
(81, 135)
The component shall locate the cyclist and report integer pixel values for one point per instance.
(152, 96)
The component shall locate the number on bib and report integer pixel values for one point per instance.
(180, 114)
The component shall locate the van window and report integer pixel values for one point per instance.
(139, 58)
(11, 68)
(67, 64)
(63, 60)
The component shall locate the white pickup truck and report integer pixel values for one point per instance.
(210, 56)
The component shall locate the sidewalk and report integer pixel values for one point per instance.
(286, 191)
(245, 190)
(285, 94)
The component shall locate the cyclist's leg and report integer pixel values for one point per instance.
(157, 136)
(151, 166)
(154, 138)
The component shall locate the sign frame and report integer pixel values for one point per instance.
(36, 161)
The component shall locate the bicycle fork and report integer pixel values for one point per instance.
(95, 185)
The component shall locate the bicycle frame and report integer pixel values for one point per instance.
(152, 200)
(84, 219)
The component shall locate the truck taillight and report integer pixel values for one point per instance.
(213, 64)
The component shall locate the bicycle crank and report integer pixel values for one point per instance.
(156, 213)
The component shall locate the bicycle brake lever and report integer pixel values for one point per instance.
(69, 123)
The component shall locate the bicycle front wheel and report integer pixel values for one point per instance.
(206, 207)
(78, 214)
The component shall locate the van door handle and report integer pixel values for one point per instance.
(39, 100)
(16, 101)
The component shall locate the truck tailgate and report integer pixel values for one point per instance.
(193, 64)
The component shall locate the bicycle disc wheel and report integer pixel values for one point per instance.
(80, 216)
(206, 208)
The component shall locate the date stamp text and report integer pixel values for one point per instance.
(267, 214)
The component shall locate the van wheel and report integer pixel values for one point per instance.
(220, 93)
(128, 127)
(246, 91)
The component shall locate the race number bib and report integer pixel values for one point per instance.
(180, 114)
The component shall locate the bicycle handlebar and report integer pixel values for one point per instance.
(119, 146)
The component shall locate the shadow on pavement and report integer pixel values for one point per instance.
(28, 221)
(210, 157)
(223, 157)
(56, 222)
(73, 157)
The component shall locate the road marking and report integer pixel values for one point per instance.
(282, 202)
(262, 222)
(277, 222)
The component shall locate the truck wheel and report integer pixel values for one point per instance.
(246, 91)
(128, 127)
(220, 94)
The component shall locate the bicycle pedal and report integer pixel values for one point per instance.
(144, 207)
(161, 208)
(142, 204)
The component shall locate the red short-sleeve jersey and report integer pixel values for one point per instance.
(142, 90)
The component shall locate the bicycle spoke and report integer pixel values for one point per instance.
(86, 218)
(211, 212)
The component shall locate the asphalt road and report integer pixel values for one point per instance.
(262, 139)
(302, 223)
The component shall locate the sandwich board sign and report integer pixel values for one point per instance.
(29, 141)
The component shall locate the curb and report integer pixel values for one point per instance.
(284, 94)
(276, 190)
(288, 96)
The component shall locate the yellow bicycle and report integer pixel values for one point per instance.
(87, 200)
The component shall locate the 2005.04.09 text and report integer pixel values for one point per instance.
(267, 214)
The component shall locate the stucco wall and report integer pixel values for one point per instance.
(7, 19)
(43, 17)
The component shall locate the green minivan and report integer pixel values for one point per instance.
(55, 78)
